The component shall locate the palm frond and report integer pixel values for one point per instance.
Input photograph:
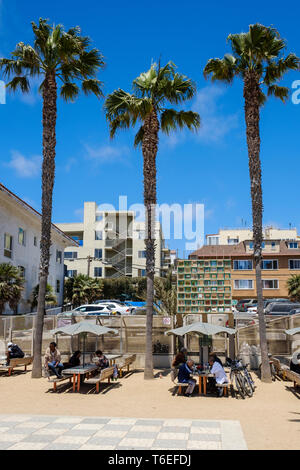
(172, 120)
(93, 86)
(280, 92)
(19, 83)
(69, 91)
(138, 140)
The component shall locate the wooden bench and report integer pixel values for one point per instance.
(292, 376)
(105, 374)
(17, 362)
(56, 380)
(126, 362)
(174, 375)
(225, 386)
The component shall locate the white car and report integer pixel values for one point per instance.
(93, 309)
(120, 309)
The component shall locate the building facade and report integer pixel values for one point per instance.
(281, 259)
(235, 236)
(20, 234)
(111, 245)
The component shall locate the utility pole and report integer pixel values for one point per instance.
(89, 260)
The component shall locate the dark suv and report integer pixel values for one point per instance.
(278, 308)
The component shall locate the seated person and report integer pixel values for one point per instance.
(184, 376)
(13, 352)
(216, 358)
(74, 360)
(52, 360)
(295, 362)
(102, 362)
(219, 373)
(180, 358)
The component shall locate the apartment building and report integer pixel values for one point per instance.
(111, 245)
(235, 236)
(20, 234)
(281, 259)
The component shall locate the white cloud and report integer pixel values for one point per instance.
(25, 167)
(215, 125)
(105, 153)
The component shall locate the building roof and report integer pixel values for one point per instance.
(30, 209)
(240, 250)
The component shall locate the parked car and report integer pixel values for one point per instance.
(267, 302)
(294, 311)
(281, 308)
(119, 307)
(242, 304)
(95, 310)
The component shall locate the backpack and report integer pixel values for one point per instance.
(16, 351)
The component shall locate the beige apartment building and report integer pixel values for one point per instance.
(235, 236)
(111, 245)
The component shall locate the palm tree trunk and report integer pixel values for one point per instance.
(251, 96)
(48, 172)
(149, 147)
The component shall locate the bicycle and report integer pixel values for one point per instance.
(249, 383)
(237, 377)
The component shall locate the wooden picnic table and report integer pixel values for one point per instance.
(111, 358)
(202, 380)
(78, 371)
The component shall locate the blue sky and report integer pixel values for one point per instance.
(210, 167)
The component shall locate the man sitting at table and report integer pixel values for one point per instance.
(53, 360)
(219, 373)
(102, 362)
(184, 376)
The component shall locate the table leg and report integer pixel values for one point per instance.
(78, 382)
(200, 385)
(74, 382)
(204, 384)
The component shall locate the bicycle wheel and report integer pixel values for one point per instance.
(239, 384)
(251, 381)
(247, 386)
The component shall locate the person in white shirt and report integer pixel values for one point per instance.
(219, 373)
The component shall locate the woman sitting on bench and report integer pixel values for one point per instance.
(219, 373)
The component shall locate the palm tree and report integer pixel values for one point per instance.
(293, 285)
(55, 56)
(11, 286)
(50, 298)
(146, 105)
(258, 59)
(83, 289)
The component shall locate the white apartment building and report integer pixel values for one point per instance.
(111, 245)
(20, 234)
(235, 236)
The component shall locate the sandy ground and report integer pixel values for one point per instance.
(270, 419)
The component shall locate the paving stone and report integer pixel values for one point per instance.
(200, 430)
(144, 435)
(62, 447)
(118, 427)
(94, 447)
(203, 445)
(105, 433)
(40, 438)
(12, 437)
(28, 446)
(169, 444)
(76, 440)
(142, 428)
(207, 424)
(59, 426)
(149, 422)
(104, 441)
(68, 419)
(122, 421)
(95, 420)
(205, 437)
(31, 425)
(95, 427)
(175, 429)
(6, 445)
(80, 432)
(132, 443)
(173, 435)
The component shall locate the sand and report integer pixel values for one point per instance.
(270, 419)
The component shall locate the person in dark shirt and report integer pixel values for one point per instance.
(74, 360)
(185, 376)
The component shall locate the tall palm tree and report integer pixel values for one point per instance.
(57, 55)
(258, 60)
(11, 286)
(50, 297)
(146, 105)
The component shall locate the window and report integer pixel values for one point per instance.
(142, 254)
(242, 264)
(22, 271)
(269, 264)
(251, 245)
(141, 235)
(270, 284)
(71, 273)
(98, 272)
(293, 245)
(78, 240)
(98, 217)
(213, 240)
(8, 240)
(98, 235)
(21, 237)
(70, 254)
(98, 253)
(243, 284)
(232, 241)
(58, 256)
(35, 241)
(58, 286)
(294, 263)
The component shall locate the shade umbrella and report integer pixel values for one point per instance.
(293, 331)
(200, 328)
(83, 327)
